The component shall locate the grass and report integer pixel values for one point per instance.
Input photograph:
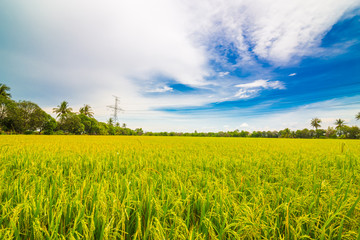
(103, 187)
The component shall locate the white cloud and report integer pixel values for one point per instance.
(161, 90)
(223, 74)
(262, 84)
(252, 89)
(244, 125)
(134, 39)
(247, 93)
(292, 74)
(278, 31)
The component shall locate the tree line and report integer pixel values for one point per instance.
(25, 117)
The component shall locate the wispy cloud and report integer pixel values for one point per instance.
(161, 90)
(244, 125)
(292, 74)
(252, 89)
(267, 84)
(222, 74)
(247, 93)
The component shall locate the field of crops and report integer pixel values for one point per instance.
(75, 187)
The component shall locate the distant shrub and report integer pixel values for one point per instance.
(59, 132)
(48, 132)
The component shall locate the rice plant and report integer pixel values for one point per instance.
(103, 187)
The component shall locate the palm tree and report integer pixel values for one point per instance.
(315, 123)
(357, 117)
(339, 125)
(4, 91)
(62, 110)
(111, 122)
(87, 111)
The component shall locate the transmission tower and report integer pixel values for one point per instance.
(116, 108)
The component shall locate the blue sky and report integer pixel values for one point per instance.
(184, 65)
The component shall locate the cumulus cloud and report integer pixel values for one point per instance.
(278, 31)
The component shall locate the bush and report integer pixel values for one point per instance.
(49, 132)
(59, 132)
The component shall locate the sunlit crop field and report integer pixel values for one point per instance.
(76, 187)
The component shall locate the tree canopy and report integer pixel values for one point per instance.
(87, 111)
(315, 122)
(4, 91)
(62, 110)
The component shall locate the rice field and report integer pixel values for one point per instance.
(111, 187)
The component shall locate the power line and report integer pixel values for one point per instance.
(116, 108)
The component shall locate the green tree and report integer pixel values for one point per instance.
(286, 133)
(4, 91)
(339, 125)
(22, 116)
(30, 116)
(315, 123)
(4, 106)
(357, 117)
(103, 128)
(305, 133)
(49, 126)
(312, 133)
(110, 127)
(320, 133)
(72, 124)
(139, 131)
(87, 111)
(90, 124)
(330, 133)
(351, 132)
(62, 110)
(8, 111)
(110, 122)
